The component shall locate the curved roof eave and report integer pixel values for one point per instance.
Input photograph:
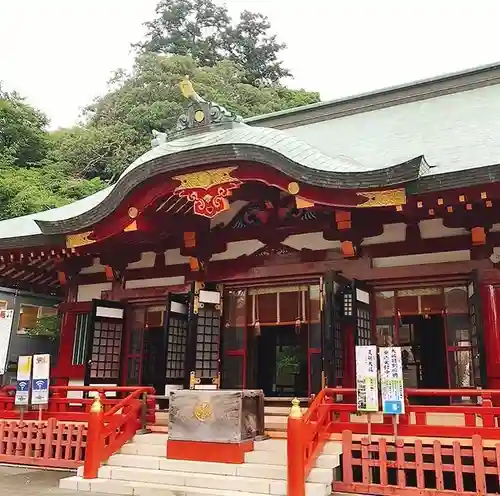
(268, 146)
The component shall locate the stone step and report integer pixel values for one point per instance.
(280, 458)
(330, 448)
(136, 481)
(141, 488)
(144, 449)
(276, 472)
(158, 439)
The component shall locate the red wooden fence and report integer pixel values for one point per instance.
(388, 466)
(109, 431)
(477, 414)
(48, 444)
(63, 408)
(333, 412)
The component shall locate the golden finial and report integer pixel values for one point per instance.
(186, 87)
(295, 411)
(96, 405)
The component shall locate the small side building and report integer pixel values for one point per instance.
(28, 308)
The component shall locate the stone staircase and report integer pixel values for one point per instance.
(141, 468)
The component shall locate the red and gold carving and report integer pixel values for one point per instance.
(208, 190)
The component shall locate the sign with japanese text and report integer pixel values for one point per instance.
(391, 380)
(23, 382)
(6, 317)
(40, 381)
(366, 379)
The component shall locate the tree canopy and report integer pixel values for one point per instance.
(205, 32)
(23, 141)
(233, 64)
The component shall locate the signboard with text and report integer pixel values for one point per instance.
(40, 381)
(23, 382)
(366, 379)
(6, 317)
(391, 380)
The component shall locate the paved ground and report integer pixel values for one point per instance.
(20, 481)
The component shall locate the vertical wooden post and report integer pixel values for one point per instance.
(295, 452)
(94, 441)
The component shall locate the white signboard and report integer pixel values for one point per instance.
(23, 381)
(366, 379)
(391, 380)
(40, 382)
(6, 317)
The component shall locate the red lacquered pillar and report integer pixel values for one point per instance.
(296, 484)
(93, 452)
(490, 303)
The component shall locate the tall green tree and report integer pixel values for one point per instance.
(148, 98)
(30, 179)
(23, 135)
(205, 31)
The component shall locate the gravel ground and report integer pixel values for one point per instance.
(27, 481)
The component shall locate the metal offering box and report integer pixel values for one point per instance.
(220, 416)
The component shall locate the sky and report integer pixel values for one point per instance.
(60, 54)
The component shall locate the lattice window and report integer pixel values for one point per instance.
(176, 348)
(476, 358)
(106, 350)
(133, 371)
(207, 343)
(81, 339)
(364, 326)
(337, 341)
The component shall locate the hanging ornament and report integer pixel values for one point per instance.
(256, 322)
(256, 328)
(298, 326)
(298, 321)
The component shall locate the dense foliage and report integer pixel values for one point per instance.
(205, 32)
(235, 65)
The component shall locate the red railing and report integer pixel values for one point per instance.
(333, 411)
(388, 466)
(474, 415)
(64, 408)
(109, 431)
(54, 443)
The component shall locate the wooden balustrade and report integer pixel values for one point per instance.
(388, 466)
(76, 409)
(109, 431)
(333, 411)
(54, 443)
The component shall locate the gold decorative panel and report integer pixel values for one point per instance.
(208, 190)
(384, 198)
(206, 179)
(79, 239)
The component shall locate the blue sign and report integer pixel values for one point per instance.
(393, 407)
(41, 385)
(23, 386)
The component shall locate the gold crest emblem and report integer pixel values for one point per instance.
(202, 411)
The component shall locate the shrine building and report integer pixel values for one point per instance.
(257, 253)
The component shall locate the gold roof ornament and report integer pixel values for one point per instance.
(200, 112)
(188, 91)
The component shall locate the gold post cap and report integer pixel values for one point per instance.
(96, 406)
(295, 411)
